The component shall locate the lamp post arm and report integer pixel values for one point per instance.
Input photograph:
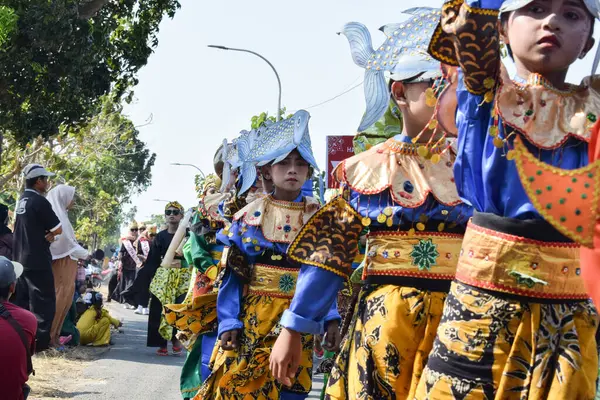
(278, 117)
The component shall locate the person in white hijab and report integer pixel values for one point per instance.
(65, 253)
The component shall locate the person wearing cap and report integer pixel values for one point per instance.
(36, 227)
(14, 361)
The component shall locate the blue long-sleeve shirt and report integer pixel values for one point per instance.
(317, 288)
(485, 177)
(229, 299)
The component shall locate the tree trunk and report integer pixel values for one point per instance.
(89, 8)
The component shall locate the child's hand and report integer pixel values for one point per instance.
(229, 340)
(285, 356)
(333, 336)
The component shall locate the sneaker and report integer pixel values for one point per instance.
(129, 307)
(146, 311)
(140, 310)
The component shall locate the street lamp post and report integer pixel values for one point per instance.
(190, 165)
(265, 60)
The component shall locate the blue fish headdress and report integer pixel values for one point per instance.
(229, 158)
(593, 6)
(403, 56)
(272, 143)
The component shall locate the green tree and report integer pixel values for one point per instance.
(105, 161)
(66, 54)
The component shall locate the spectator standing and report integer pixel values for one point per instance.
(65, 253)
(6, 235)
(36, 227)
(129, 263)
(17, 336)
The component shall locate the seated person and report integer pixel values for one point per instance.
(94, 324)
(17, 329)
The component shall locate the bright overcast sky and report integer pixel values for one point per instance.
(198, 96)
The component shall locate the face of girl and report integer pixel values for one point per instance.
(290, 174)
(547, 36)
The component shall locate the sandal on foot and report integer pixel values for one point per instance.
(162, 352)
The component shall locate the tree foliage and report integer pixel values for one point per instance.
(259, 120)
(105, 161)
(57, 64)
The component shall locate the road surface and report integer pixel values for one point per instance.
(132, 371)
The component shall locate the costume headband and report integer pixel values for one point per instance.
(174, 204)
(403, 56)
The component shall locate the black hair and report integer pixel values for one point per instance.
(4, 292)
(30, 183)
(504, 20)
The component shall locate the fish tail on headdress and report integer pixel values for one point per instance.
(375, 85)
(361, 45)
(248, 176)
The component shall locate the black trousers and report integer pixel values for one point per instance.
(138, 293)
(156, 308)
(35, 292)
(112, 285)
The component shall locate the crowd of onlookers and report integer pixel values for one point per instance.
(46, 299)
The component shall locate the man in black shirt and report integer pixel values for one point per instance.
(36, 227)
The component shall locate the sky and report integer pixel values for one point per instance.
(194, 96)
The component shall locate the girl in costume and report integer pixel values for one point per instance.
(403, 191)
(259, 280)
(517, 323)
(196, 317)
(168, 285)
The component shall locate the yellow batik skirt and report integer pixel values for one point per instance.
(197, 314)
(516, 324)
(245, 373)
(386, 347)
(393, 327)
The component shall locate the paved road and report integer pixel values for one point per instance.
(132, 371)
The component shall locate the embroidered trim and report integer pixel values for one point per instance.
(329, 240)
(588, 212)
(511, 290)
(519, 239)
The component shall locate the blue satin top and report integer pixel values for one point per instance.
(229, 298)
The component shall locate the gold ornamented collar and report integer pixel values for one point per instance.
(546, 116)
(397, 166)
(280, 221)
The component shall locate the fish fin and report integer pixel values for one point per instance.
(300, 120)
(377, 97)
(596, 61)
(305, 150)
(226, 176)
(361, 45)
(244, 145)
(248, 177)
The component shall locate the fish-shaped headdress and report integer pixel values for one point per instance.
(403, 56)
(230, 158)
(593, 6)
(272, 143)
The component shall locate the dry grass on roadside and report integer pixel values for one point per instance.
(58, 375)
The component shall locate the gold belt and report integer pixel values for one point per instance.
(268, 280)
(428, 255)
(512, 264)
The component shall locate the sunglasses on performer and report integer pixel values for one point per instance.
(172, 212)
(134, 230)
